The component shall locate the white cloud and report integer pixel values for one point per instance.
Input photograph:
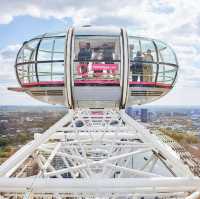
(8, 79)
(7, 61)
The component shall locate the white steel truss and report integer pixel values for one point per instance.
(100, 153)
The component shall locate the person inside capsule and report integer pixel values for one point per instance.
(137, 67)
(108, 57)
(102, 61)
(108, 53)
(84, 56)
(148, 67)
(85, 52)
(96, 60)
(97, 57)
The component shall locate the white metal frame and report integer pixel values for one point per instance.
(125, 67)
(110, 156)
(67, 69)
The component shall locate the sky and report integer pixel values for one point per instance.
(176, 22)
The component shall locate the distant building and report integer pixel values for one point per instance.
(134, 113)
(129, 111)
(144, 115)
(150, 116)
(137, 113)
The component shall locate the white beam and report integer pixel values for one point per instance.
(93, 163)
(123, 185)
(168, 153)
(96, 135)
(133, 171)
(52, 155)
(195, 195)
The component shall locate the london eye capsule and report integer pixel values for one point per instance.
(95, 67)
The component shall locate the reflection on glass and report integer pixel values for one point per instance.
(28, 51)
(51, 49)
(58, 51)
(26, 73)
(58, 71)
(166, 74)
(45, 50)
(50, 71)
(165, 53)
(44, 71)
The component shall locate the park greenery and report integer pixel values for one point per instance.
(8, 145)
(182, 138)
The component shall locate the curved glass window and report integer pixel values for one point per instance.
(152, 70)
(51, 49)
(41, 60)
(166, 74)
(97, 59)
(165, 53)
(28, 51)
(143, 60)
(151, 61)
(45, 50)
(25, 63)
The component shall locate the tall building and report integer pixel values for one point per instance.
(131, 112)
(144, 115)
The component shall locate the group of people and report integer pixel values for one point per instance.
(85, 52)
(88, 56)
(104, 52)
(141, 66)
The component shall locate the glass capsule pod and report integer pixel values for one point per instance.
(95, 67)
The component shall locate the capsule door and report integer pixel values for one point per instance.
(95, 70)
